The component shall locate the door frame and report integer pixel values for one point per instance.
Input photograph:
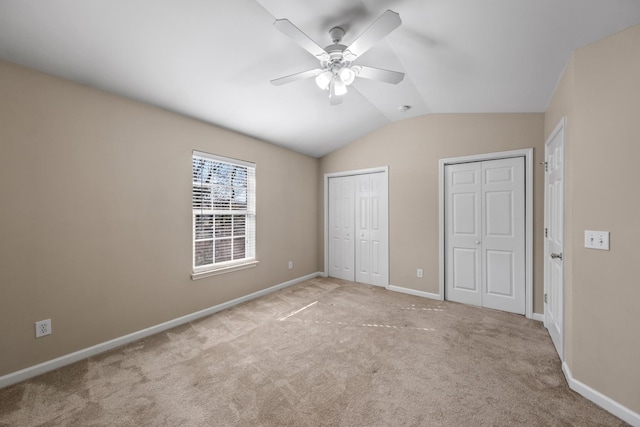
(385, 171)
(527, 153)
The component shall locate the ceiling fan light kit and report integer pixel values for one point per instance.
(340, 73)
(339, 88)
(324, 79)
(336, 70)
(347, 75)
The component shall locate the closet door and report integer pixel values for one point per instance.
(463, 275)
(358, 228)
(485, 234)
(363, 223)
(371, 216)
(341, 228)
(503, 241)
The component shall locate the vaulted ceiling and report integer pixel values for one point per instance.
(213, 60)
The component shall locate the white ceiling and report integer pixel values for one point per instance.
(213, 59)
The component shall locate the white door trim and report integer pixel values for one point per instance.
(527, 153)
(383, 169)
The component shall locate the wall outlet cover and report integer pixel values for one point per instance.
(43, 327)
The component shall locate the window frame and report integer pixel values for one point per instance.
(249, 214)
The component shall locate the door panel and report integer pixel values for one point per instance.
(362, 260)
(363, 213)
(347, 255)
(464, 208)
(503, 240)
(499, 208)
(465, 270)
(378, 230)
(335, 227)
(554, 240)
(464, 176)
(347, 229)
(372, 252)
(500, 273)
(375, 258)
(495, 173)
(463, 233)
(341, 233)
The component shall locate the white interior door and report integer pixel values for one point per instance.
(554, 238)
(363, 240)
(503, 235)
(485, 234)
(463, 230)
(371, 229)
(341, 228)
(358, 228)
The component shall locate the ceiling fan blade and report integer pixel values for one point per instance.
(295, 77)
(388, 76)
(385, 24)
(287, 28)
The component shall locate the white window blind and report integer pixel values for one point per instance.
(224, 212)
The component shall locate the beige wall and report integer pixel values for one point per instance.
(600, 95)
(412, 149)
(95, 222)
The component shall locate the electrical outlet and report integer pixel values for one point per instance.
(419, 273)
(290, 265)
(43, 328)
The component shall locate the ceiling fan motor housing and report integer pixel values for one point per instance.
(336, 33)
(335, 52)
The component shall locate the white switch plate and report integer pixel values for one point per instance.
(596, 240)
(419, 272)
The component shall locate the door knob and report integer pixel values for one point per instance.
(477, 242)
(556, 256)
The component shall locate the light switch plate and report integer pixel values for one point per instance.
(596, 240)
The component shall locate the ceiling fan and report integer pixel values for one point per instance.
(337, 70)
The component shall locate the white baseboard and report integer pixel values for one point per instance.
(538, 316)
(535, 316)
(414, 292)
(50, 365)
(600, 399)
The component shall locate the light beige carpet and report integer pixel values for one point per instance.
(321, 353)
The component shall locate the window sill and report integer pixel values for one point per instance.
(223, 270)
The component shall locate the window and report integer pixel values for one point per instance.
(224, 212)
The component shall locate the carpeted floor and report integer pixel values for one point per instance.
(321, 353)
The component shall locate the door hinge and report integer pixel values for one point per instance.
(546, 232)
(545, 298)
(546, 166)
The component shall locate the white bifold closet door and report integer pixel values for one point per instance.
(341, 227)
(485, 234)
(358, 224)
